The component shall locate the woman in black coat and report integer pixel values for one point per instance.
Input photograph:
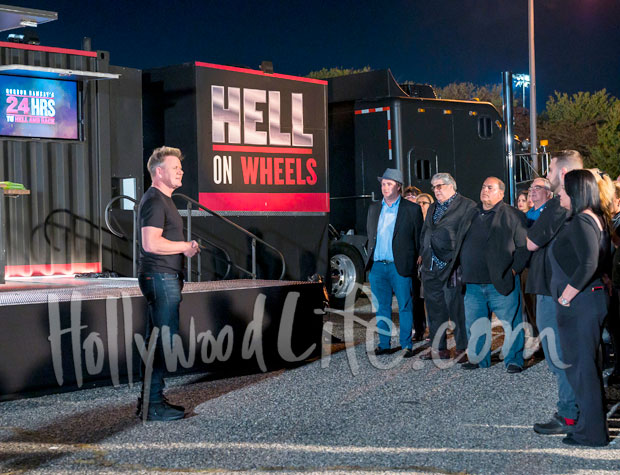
(578, 256)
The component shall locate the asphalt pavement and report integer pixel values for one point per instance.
(347, 412)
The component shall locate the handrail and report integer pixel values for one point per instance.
(255, 238)
(228, 260)
(106, 213)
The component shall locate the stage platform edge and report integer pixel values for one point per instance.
(62, 333)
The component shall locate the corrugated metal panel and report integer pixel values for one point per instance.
(59, 222)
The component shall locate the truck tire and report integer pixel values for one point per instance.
(346, 269)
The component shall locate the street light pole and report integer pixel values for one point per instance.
(533, 138)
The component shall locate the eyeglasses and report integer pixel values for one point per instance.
(438, 186)
(426, 203)
(538, 188)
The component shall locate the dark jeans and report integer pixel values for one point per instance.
(163, 296)
(481, 300)
(529, 304)
(547, 322)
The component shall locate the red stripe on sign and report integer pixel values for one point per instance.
(48, 49)
(389, 125)
(243, 148)
(390, 144)
(258, 73)
(52, 269)
(358, 112)
(291, 202)
(386, 108)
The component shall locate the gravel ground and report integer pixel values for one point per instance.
(345, 412)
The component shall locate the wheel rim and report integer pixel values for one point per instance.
(344, 275)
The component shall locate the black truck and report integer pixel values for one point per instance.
(375, 123)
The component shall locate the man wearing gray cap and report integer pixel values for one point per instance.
(393, 227)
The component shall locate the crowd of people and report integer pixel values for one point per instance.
(549, 264)
(464, 261)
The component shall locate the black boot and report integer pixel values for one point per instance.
(557, 425)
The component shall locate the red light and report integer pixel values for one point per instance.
(52, 269)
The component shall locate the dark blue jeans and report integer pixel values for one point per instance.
(481, 300)
(547, 323)
(163, 296)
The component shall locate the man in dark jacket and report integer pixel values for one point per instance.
(491, 248)
(393, 226)
(539, 239)
(444, 299)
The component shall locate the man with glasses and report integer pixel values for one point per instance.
(444, 298)
(539, 193)
(539, 238)
(491, 248)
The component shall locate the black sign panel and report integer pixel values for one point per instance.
(262, 141)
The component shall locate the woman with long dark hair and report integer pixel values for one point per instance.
(578, 257)
(523, 201)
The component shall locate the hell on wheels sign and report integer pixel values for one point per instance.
(262, 141)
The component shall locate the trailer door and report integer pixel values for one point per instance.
(427, 143)
(373, 154)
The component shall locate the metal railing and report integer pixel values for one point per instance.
(255, 239)
(525, 170)
(193, 235)
(201, 241)
(134, 241)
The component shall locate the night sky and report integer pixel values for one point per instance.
(430, 41)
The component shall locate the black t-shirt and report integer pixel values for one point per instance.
(473, 253)
(541, 233)
(159, 211)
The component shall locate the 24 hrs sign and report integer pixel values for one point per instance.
(32, 107)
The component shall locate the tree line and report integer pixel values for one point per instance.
(585, 121)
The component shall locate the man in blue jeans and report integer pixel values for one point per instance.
(491, 249)
(539, 237)
(160, 275)
(394, 227)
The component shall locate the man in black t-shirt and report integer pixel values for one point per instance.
(491, 248)
(160, 275)
(539, 238)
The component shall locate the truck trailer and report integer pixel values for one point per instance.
(375, 124)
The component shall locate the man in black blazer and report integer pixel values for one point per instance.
(393, 226)
(492, 250)
(443, 297)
